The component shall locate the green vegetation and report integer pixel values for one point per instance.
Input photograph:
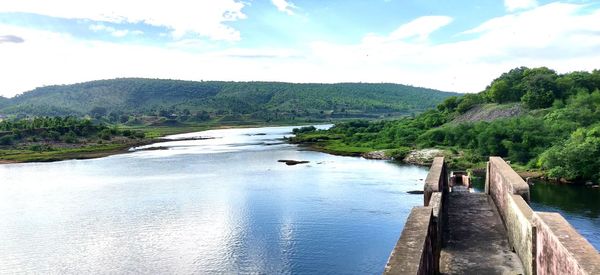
(558, 133)
(90, 118)
(135, 101)
(53, 138)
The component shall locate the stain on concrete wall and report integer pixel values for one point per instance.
(560, 249)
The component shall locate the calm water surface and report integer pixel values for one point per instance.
(580, 205)
(215, 206)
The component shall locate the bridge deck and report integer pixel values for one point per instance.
(475, 241)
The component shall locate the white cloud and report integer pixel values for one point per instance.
(206, 18)
(557, 35)
(513, 5)
(47, 58)
(284, 6)
(114, 32)
(419, 28)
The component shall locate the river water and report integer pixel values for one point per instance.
(213, 206)
(579, 205)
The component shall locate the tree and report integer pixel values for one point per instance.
(576, 158)
(500, 91)
(508, 87)
(537, 98)
(7, 140)
(468, 101)
(98, 112)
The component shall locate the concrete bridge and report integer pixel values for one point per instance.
(495, 232)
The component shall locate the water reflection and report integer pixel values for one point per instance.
(222, 205)
(580, 205)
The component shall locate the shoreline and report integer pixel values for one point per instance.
(525, 174)
(80, 153)
(109, 149)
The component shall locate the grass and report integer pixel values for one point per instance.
(93, 151)
(161, 131)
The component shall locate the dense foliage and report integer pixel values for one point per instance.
(560, 133)
(56, 129)
(122, 99)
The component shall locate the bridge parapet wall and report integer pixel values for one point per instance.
(545, 242)
(560, 249)
(414, 253)
(437, 179)
(419, 247)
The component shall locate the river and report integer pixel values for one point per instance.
(217, 206)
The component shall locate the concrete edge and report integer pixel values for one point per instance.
(522, 226)
(432, 182)
(407, 255)
(586, 256)
(519, 185)
(436, 203)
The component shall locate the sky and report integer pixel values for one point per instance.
(458, 45)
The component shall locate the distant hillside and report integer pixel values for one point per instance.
(3, 101)
(258, 100)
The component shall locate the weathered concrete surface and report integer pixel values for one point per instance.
(560, 249)
(436, 180)
(521, 231)
(414, 253)
(437, 205)
(475, 241)
(503, 180)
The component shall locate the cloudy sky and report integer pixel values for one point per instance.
(458, 45)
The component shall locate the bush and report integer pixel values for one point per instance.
(7, 140)
(304, 129)
(105, 134)
(70, 137)
(39, 148)
(576, 158)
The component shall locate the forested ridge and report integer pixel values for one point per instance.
(264, 101)
(559, 132)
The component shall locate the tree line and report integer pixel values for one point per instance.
(122, 99)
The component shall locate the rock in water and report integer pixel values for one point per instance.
(293, 162)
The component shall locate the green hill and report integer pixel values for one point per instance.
(3, 101)
(534, 117)
(256, 100)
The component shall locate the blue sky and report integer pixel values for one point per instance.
(449, 45)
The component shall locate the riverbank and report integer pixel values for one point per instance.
(59, 151)
(74, 152)
(423, 157)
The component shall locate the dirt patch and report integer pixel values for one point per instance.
(490, 112)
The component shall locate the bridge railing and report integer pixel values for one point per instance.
(545, 242)
(418, 249)
(437, 179)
